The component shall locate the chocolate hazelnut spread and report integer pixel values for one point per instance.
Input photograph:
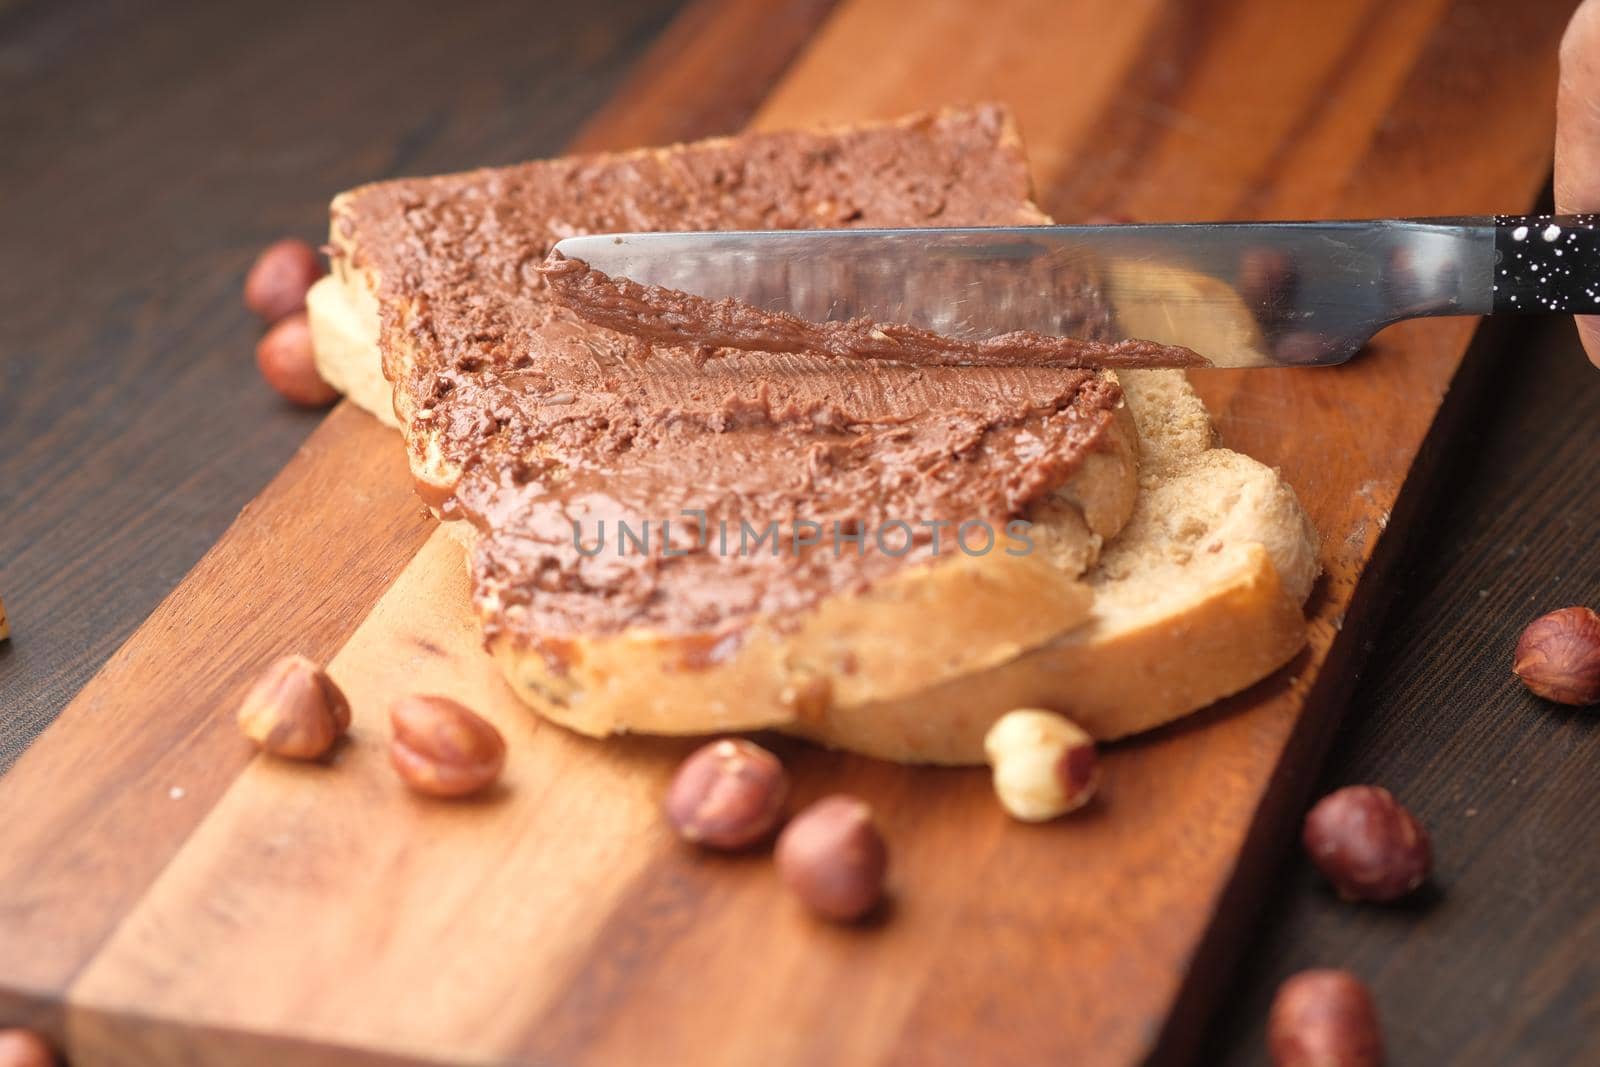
(557, 425)
(669, 316)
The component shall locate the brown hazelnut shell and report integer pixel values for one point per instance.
(1324, 1018)
(1558, 656)
(1367, 844)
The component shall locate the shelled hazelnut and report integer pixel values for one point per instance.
(442, 749)
(834, 859)
(727, 794)
(1324, 1018)
(294, 710)
(1558, 656)
(1367, 844)
(280, 277)
(288, 362)
(1044, 764)
(24, 1048)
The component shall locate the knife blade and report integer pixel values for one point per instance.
(1238, 294)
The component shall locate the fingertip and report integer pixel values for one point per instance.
(1582, 33)
(1577, 162)
(1589, 334)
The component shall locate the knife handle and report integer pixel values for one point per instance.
(1547, 263)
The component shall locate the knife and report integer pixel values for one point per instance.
(1238, 294)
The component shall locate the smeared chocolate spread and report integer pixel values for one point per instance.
(554, 421)
(671, 317)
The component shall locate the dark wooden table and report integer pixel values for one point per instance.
(148, 157)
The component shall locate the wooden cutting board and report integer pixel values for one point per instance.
(166, 897)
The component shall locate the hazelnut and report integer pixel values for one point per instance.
(1367, 844)
(5, 627)
(24, 1048)
(1044, 764)
(833, 858)
(1324, 1018)
(285, 359)
(442, 749)
(1558, 656)
(727, 794)
(279, 278)
(294, 710)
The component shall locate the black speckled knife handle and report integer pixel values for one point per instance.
(1547, 263)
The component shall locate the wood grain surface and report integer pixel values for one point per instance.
(163, 916)
(149, 155)
(1495, 963)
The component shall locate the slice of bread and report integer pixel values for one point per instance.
(1197, 598)
(850, 646)
(1196, 595)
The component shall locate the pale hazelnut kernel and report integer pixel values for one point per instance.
(1558, 656)
(280, 278)
(294, 710)
(442, 749)
(1045, 765)
(727, 794)
(24, 1048)
(1367, 844)
(285, 357)
(834, 859)
(1324, 1018)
